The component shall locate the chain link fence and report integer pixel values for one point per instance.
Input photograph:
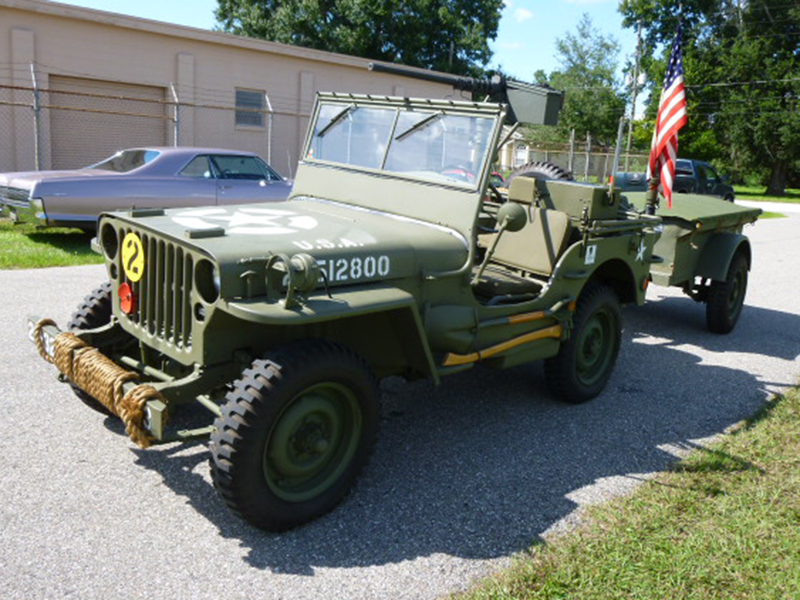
(586, 163)
(76, 122)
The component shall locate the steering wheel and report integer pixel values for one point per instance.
(461, 174)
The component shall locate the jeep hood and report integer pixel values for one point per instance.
(352, 245)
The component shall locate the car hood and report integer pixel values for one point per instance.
(27, 180)
(352, 245)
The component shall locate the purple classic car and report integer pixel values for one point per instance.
(140, 178)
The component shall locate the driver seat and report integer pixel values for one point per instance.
(523, 259)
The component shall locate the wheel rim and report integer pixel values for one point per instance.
(736, 295)
(312, 442)
(596, 347)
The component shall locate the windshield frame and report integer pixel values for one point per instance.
(431, 112)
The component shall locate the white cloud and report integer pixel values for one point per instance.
(522, 14)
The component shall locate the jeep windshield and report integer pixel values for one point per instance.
(427, 143)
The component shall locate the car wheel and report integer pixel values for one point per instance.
(726, 298)
(294, 434)
(584, 363)
(94, 311)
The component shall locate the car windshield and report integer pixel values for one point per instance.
(683, 167)
(127, 160)
(425, 144)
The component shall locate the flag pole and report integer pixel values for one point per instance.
(671, 117)
(651, 204)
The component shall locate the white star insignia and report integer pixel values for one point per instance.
(640, 252)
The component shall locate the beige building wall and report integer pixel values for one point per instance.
(105, 52)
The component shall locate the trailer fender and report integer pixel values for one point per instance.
(716, 257)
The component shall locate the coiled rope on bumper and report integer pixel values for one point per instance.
(101, 378)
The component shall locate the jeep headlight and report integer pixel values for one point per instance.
(305, 271)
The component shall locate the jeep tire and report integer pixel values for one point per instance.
(540, 170)
(584, 363)
(294, 433)
(94, 311)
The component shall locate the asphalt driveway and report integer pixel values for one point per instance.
(464, 475)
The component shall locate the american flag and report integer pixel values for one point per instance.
(671, 117)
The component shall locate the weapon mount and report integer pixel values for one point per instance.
(528, 103)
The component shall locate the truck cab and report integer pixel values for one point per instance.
(698, 177)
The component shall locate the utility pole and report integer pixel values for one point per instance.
(635, 91)
(37, 128)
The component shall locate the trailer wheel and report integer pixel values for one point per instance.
(726, 298)
(541, 170)
(584, 363)
(294, 434)
(94, 311)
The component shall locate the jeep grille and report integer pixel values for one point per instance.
(164, 307)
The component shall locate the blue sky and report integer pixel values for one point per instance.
(526, 39)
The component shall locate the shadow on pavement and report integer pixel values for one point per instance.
(482, 466)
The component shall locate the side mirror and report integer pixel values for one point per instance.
(511, 217)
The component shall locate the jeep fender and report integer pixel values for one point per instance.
(382, 324)
(718, 252)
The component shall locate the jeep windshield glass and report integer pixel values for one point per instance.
(422, 144)
(354, 137)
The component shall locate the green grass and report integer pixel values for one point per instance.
(26, 247)
(724, 523)
(744, 192)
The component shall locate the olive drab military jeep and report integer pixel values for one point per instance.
(392, 257)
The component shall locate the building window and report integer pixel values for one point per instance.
(250, 108)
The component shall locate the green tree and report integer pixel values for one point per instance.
(592, 101)
(446, 35)
(742, 65)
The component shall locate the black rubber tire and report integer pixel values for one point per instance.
(272, 423)
(581, 369)
(729, 198)
(540, 170)
(94, 311)
(726, 298)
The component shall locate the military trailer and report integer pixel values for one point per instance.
(703, 251)
(394, 256)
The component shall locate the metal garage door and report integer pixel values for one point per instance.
(92, 119)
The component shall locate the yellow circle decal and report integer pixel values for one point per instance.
(133, 257)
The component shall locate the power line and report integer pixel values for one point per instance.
(735, 83)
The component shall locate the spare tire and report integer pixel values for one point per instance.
(540, 170)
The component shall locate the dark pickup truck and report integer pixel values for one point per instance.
(691, 177)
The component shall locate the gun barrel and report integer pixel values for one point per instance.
(466, 84)
(528, 103)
